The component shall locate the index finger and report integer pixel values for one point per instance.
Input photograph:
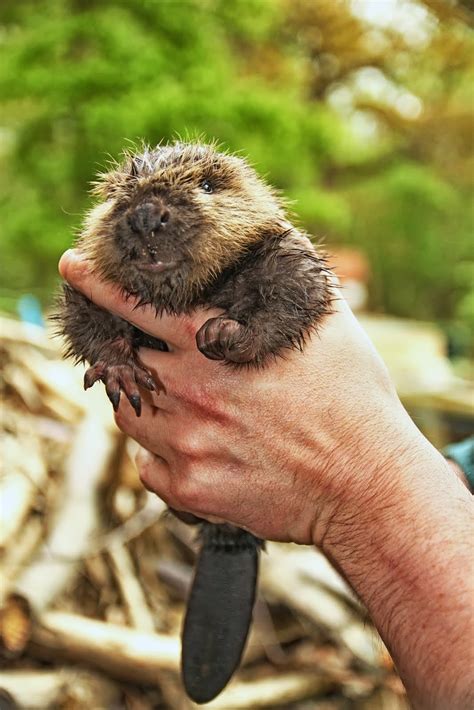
(179, 331)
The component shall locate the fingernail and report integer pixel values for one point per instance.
(65, 260)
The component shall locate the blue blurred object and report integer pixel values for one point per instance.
(462, 453)
(29, 309)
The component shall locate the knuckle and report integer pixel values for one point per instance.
(144, 473)
(75, 271)
(145, 479)
(188, 492)
(142, 456)
(151, 474)
(190, 446)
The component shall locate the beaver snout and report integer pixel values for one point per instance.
(148, 218)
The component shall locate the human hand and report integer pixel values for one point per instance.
(278, 451)
(315, 448)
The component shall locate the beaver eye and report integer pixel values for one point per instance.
(207, 187)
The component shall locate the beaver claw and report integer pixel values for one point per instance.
(117, 378)
(223, 338)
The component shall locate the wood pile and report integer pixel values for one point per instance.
(94, 573)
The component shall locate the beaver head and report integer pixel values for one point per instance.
(174, 217)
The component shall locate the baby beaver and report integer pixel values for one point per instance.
(181, 226)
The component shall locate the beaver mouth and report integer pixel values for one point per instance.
(156, 267)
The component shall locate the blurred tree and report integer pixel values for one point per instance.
(81, 77)
(405, 80)
(362, 116)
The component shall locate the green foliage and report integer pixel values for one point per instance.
(413, 227)
(80, 79)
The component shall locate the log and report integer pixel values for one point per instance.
(76, 521)
(283, 579)
(278, 690)
(23, 385)
(15, 624)
(16, 331)
(383, 698)
(315, 567)
(122, 652)
(59, 384)
(15, 558)
(133, 527)
(37, 690)
(24, 474)
(138, 612)
(61, 387)
(34, 690)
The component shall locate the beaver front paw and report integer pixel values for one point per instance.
(223, 338)
(124, 377)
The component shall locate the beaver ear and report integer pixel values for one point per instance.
(141, 164)
(108, 185)
(136, 167)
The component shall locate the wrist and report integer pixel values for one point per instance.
(404, 546)
(368, 461)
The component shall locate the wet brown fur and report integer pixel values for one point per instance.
(225, 228)
(232, 248)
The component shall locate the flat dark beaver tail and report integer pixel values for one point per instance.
(219, 610)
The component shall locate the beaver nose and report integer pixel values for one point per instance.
(148, 218)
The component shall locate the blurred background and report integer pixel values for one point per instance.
(361, 112)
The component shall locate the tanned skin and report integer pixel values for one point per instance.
(185, 226)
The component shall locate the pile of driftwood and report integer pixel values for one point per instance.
(94, 573)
